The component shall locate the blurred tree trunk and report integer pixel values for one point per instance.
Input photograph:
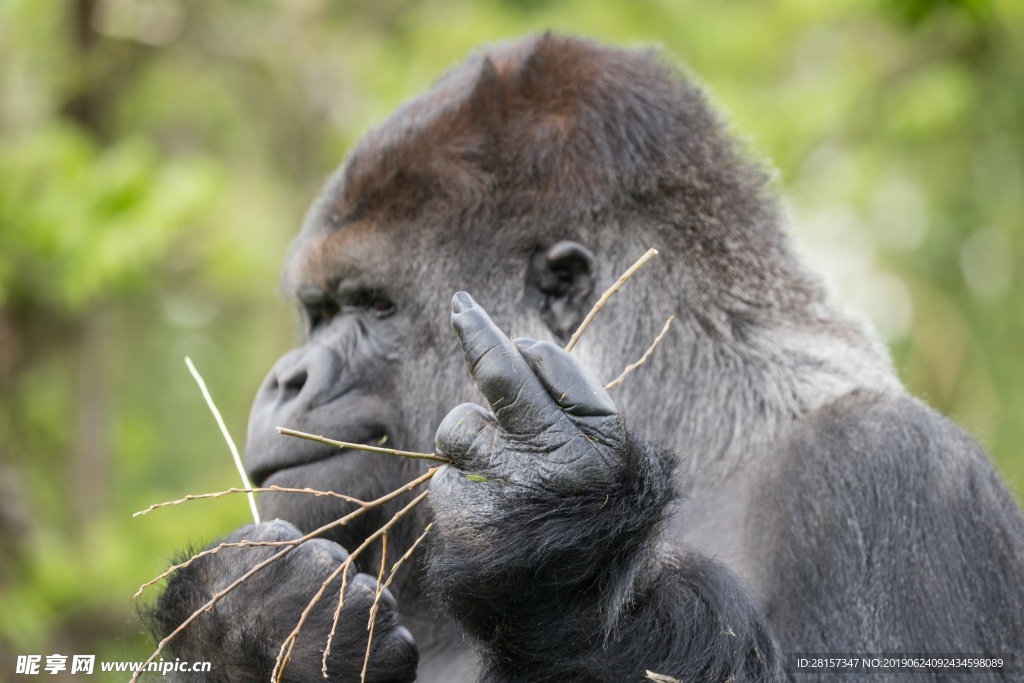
(89, 468)
(82, 105)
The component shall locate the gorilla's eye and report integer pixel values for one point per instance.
(371, 301)
(321, 311)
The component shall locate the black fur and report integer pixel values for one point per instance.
(587, 597)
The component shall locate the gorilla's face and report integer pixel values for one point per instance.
(364, 373)
(379, 358)
(461, 189)
(379, 362)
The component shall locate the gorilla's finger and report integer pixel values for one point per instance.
(460, 430)
(325, 552)
(571, 383)
(517, 397)
(275, 530)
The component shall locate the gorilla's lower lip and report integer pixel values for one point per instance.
(304, 451)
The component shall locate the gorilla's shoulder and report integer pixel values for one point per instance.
(887, 463)
(880, 503)
(882, 428)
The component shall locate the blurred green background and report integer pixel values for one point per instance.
(157, 155)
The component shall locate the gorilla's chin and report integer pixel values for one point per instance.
(268, 452)
(361, 475)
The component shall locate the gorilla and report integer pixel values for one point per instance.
(762, 489)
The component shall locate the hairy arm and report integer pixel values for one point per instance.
(888, 532)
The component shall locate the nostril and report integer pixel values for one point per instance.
(302, 379)
(292, 385)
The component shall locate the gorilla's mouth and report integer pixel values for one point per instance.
(286, 452)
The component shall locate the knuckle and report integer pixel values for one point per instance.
(540, 351)
(322, 551)
(361, 591)
(459, 428)
(274, 531)
(489, 365)
(398, 643)
(547, 348)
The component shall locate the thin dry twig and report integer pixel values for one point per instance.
(376, 599)
(330, 525)
(258, 489)
(643, 359)
(227, 436)
(361, 447)
(661, 678)
(289, 546)
(372, 623)
(289, 642)
(648, 255)
(380, 584)
(407, 555)
(211, 551)
(334, 624)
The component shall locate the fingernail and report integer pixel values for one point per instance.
(523, 343)
(462, 302)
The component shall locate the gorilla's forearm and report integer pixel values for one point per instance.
(693, 622)
(571, 587)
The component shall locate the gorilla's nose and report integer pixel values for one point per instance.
(301, 380)
(288, 382)
(300, 386)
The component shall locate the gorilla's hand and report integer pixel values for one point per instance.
(549, 505)
(553, 426)
(243, 633)
(545, 543)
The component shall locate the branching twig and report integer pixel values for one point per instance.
(361, 447)
(334, 624)
(259, 489)
(372, 623)
(330, 525)
(380, 586)
(408, 554)
(648, 255)
(227, 437)
(211, 551)
(289, 642)
(643, 359)
(341, 596)
(289, 546)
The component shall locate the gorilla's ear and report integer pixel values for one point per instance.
(560, 283)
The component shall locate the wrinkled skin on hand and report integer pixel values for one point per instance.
(553, 425)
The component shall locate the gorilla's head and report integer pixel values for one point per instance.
(531, 175)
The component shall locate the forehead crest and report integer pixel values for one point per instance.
(547, 115)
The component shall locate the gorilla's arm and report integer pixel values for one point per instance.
(547, 534)
(886, 530)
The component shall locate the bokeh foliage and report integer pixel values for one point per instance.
(157, 155)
